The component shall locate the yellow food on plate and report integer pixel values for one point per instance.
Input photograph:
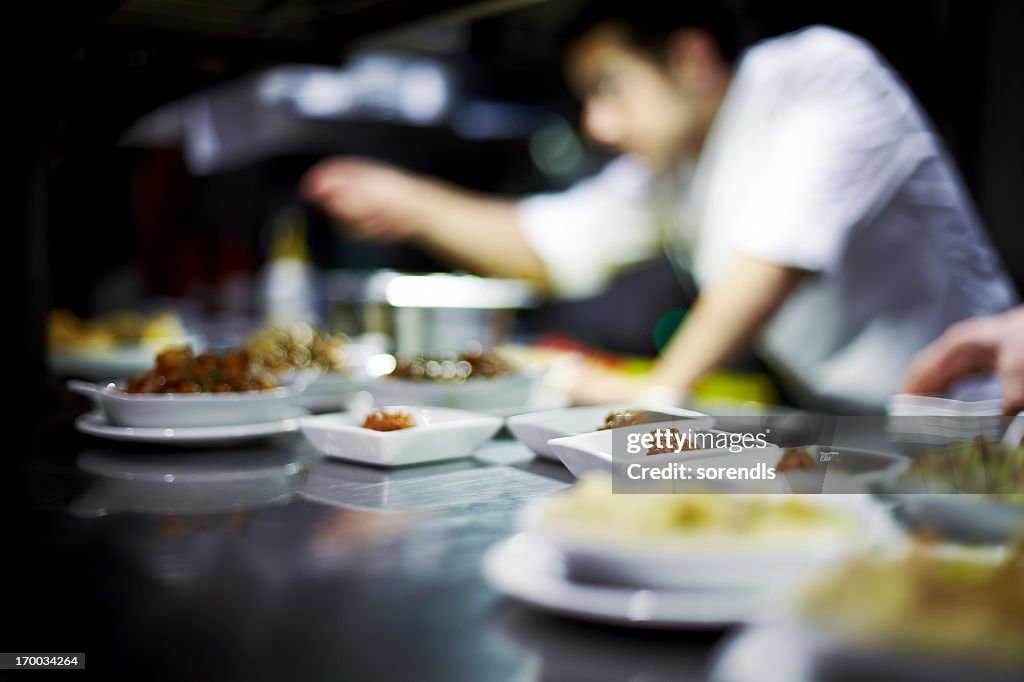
(928, 603)
(68, 332)
(591, 508)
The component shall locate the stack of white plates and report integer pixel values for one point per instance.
(928, 420)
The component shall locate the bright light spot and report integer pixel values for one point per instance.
(380, 365)
(422, 92)
(325, 94)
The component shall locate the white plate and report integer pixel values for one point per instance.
(531, 571)
(498, 393)
(931, 420)
(439, 434)
(905, 404)
(715, 561)
(537, 428)
(329, 391)
(96, 424)
(189, 410)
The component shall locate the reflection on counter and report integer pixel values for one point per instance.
(185, 484)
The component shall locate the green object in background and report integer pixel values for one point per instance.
(736, 387)
(721, 386)
(667, 325)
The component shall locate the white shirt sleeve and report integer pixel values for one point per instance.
(830, 157)
(588, 232)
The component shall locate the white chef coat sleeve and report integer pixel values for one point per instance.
(588, 232)
(830, 162)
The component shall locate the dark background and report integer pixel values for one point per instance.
(88, 206)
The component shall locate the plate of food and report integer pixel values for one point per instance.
(622, 450)
(973, 492)
(185, 390)
(711, 540)
(328, 364)
(537, 428)
(831, 469)
(936, 613)
(532, 571)
(479, 379)
(399, 435)
(112, 346)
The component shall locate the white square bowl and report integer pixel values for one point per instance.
(440, 433)
(535, 429)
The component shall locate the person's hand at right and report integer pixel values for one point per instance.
(371, 199)
(982, 344)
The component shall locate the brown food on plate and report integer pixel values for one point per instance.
(794, 460)
(298, 346)
(673, 440)
(179, 370)
(379, 420)
(484, 364)
(620, 418)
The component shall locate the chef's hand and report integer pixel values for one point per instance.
(371, 199)
(982, 344)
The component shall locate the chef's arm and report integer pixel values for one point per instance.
(480, 233)
(724, 320)
(372, 200)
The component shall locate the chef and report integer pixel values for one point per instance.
(800, 182)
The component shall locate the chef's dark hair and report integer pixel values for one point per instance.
(648, 24)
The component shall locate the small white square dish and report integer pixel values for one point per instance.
(537, 428)
(439, 433)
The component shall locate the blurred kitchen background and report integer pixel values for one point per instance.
(158, 145)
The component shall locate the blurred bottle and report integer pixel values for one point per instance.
(289, 292)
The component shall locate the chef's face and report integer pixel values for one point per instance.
(631, 103)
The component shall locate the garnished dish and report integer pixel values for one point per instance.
(453, 368)
(927, 603)
(179, 370)
(379, 420)
(399, 435)
(980, 467)
(188, 391)
(478, 379)
(298, 347)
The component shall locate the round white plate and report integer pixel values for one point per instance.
(531, 571)
(95, 424)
